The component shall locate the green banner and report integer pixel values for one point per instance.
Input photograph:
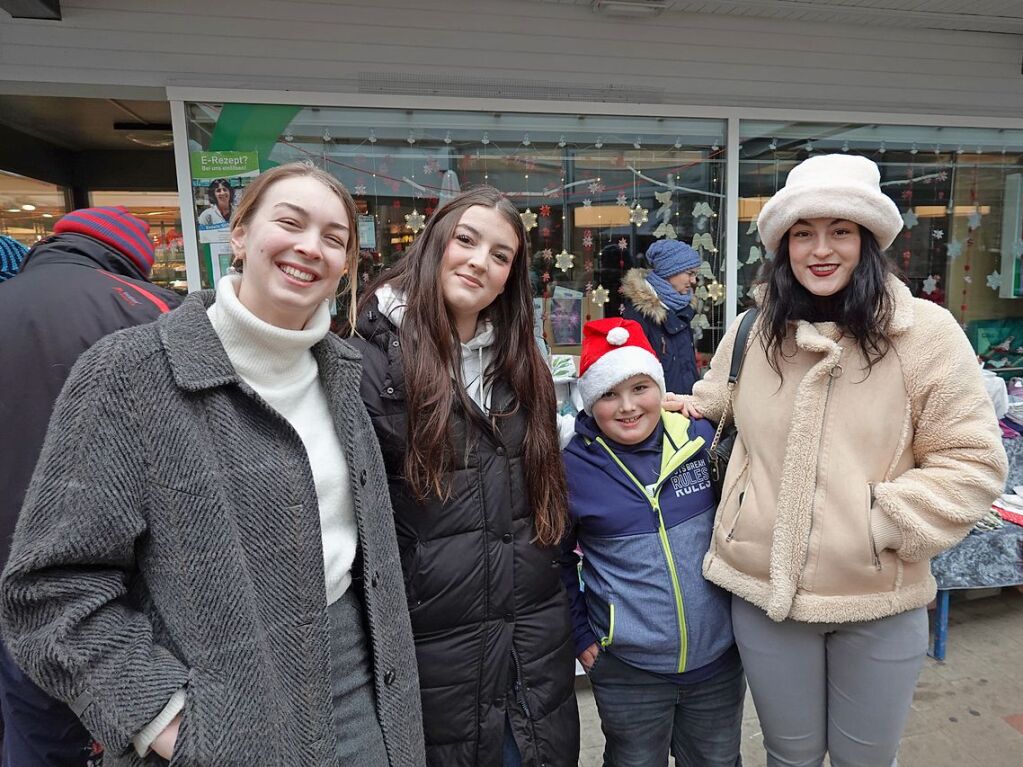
(210, 165)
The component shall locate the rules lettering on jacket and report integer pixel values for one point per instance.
(693, 477)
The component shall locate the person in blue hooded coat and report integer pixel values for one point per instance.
(660, 300)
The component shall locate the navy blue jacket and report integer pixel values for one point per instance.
(72, 290)
(669, 332)
(645, 597)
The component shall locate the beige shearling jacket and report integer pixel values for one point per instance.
(843, 485)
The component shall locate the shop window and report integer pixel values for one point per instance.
(163, 214)
(29, 208)
(961, 194)
(594, 191)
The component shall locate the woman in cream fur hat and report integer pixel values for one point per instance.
(867, 445)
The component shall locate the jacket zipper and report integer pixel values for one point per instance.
(606, 641)
(520, 696)
(832, 375)
(738, 513)
(652, 498)
(870, 528)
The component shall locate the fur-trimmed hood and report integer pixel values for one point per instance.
(643, 296)
(845, 482)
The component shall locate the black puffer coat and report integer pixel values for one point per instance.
(489, 613)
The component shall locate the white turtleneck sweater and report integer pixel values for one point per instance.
(279, 365)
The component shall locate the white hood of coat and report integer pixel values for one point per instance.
(477, 352)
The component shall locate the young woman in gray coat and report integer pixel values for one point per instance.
(205, 567)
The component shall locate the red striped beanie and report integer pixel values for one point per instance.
(116, 227)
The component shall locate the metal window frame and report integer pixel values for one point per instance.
(731, 115)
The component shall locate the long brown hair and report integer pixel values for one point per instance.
(255, 191)
(432, 352)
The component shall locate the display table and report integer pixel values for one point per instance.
(984, 559)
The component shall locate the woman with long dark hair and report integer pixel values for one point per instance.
(464, 407)
(867, 445)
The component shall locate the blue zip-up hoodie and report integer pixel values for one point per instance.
(645, 598)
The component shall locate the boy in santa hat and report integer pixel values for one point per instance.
(654, 637)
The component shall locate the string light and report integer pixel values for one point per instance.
(486, 138)
(638, 143)
(525, 140)
(372, 136)
(599, 142)
(773, 145)
(561, 141)
(411, 138)
(447, 137)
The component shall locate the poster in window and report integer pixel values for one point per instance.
(218, 180)
(566, 315)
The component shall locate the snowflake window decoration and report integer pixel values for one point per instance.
(638, 216)
(528, 219)
(414, 221)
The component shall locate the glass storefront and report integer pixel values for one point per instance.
(29, 208)
(593, 191)
(596, 190)
(960, 191)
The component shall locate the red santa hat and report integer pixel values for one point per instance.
(614, 350)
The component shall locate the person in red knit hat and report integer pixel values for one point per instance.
(653, 635)
(88, 279)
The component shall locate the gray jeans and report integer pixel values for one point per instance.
(360, 741)
(838, 688)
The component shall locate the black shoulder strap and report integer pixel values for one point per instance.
(741, 340)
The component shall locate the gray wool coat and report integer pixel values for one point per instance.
(170, 537)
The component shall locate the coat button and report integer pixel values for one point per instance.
(394, 344)
(508, 617)
(362, 477)
(374, 579)
(389, 390)
(498, 702)
(389, 677)
(500, 451)
(507, 537)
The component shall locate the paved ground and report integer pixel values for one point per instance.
(967, 711)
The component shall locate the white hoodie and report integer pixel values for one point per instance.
(477, 354)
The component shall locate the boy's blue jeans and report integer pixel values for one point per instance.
(645, 717)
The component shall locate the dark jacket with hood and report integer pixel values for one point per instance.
(489, 614)
(669, 332)
(72, 290)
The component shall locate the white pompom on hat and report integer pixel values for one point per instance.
(614, 350)
(831, 186)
